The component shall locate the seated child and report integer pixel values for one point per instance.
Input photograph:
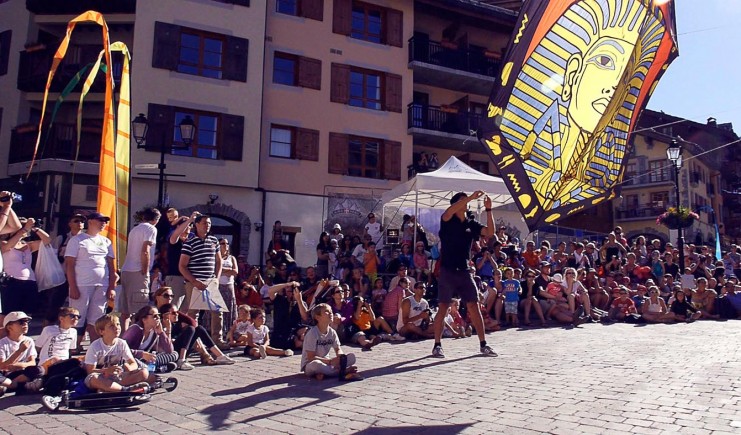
(54, 345)
(110, 365)
(258, 338)
(315, 361)
(378, 294)
(458, 323)
(622, 306)
(239, 331)
(18, 369)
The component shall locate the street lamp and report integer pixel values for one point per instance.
(139, 127)
(674, 154)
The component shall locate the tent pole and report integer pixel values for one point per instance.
(416, 217)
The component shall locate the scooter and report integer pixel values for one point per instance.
(78, 396)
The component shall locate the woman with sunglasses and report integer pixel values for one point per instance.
(149, 342)
(20, 293)
(529, 297)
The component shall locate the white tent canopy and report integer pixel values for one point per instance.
(434, 189)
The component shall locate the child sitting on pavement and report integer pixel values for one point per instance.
(258, 338)
(623, 306)
(315, 360)
(18, 369)
(54, 345)
(238, 334)
(110, 365)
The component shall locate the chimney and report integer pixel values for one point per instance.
(711, 122)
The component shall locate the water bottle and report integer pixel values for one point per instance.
(152, 366)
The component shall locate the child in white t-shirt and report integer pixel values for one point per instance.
(320, 339)
(110, 365)
(18, 369)
(258, 338)
(55, 341)
(240, 329)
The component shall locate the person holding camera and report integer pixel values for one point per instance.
(290, 315)
(20, 293)
(415, 315)
(9, 223)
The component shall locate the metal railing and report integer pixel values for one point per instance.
(442, 118)
(59, 145)
(638, 211)
(470, 60)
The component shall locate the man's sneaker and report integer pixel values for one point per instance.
(51, 402)
(184, 365)
(437, 352)
(141, 387)
(3, 390)
(263, 351)
(288, 352)
(167, 368)
(397, 337)
(34, 386)
(385, 337)
(488, 351)
(224, 360)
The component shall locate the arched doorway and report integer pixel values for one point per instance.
(227, 222)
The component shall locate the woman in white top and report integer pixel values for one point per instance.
(654, 310)
(21, 292)
(574, 290)
(229, 270)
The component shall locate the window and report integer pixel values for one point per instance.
(193, 51)
(367, 157)
(219, 136)
(365, 89)
(284, 69)
(630, 174)
(366, 22)
(363, 157)
(660, 199)
(659, 171)
(4, 51)
(292, 70)
(294, 143)
(313, 9)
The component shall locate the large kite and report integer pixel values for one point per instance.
(576, 76)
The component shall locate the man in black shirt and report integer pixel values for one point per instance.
(457, 231)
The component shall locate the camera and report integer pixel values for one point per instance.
(7, 198)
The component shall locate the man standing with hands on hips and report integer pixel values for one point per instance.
(457, 231)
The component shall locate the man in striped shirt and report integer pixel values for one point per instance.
(200, 262)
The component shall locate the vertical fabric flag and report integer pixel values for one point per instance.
(575, 78)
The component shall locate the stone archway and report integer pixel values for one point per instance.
(245, 224)
(649, 233)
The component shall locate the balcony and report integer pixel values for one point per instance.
(443, 64)
(60, 143)
(56, 7)
(35, 64)
(648, 179)
(443, 127)
(638, 212)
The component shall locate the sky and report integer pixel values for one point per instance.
(703, 81)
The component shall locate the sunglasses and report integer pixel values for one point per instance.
(156, 316)
(21, 322)
(223, 244)
(168, 295)
(76, 221)
(74, 316)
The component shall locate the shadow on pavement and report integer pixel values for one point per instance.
(435, 429)
(299, 386)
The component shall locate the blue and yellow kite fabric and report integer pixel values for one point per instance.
(576, 76)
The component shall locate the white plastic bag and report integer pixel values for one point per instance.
(49, 272)
(209, 299)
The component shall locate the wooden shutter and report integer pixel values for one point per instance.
(313, 9)
(307, 144)
(232, 137)
(342, 17)
(393, 92)
(340, 86)
(235, 59)
(309, 73)
(166, 53)
(338, 153)
(394, 28)
(4, 51)
(391, 160)
(160, 132)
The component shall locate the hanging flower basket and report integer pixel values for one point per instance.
(675, 218)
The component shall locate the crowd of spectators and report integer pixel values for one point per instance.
(375, 292)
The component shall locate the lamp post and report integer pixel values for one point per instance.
(674, 154)
(139, 127)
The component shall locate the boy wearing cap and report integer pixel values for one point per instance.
(18, 356)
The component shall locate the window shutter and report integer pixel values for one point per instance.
(392, 160)
(160, 133)
(313, 9)
(166, 53)
(235, 59)
(309, 73)
(394, 28)
(340, 86)
(307, 144)
(342, 19)
(4, 51)
(393, 92)
(338, 153)
(232, 137)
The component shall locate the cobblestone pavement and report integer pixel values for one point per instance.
(655, 379)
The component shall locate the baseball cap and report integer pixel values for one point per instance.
(15, 316)
(544, 263)
(337, 227)
(77, 216)
(98, 216)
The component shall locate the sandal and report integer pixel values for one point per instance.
(351, 377)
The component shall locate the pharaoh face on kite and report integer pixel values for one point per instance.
(559, 128)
